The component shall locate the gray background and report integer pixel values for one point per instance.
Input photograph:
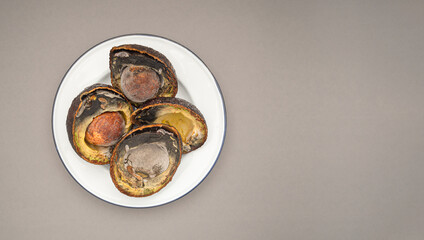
(325, 105)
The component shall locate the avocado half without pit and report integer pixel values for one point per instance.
(141, 73)
(97, 119)
(176, 112)
(145, 160)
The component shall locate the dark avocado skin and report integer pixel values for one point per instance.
(142, 55)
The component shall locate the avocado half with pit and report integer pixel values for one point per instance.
(176, 112)
(97, 119)
(145, 160)
(141, 73)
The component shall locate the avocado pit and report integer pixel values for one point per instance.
(139, 83)
(106, 129)
(147, 160)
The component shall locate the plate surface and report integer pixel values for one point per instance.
(195, 84)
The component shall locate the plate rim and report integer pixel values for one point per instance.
(146, 35)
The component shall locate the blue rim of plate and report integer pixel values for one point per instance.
(220, 92)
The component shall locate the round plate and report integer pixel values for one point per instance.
(195, 84)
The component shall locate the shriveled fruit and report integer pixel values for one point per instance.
(145, 160)
(176, 112)
(141, 73)
(98, 117)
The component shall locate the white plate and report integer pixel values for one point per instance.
(195, 84)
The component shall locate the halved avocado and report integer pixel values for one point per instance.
(145, 160)
(141, 73)
(97, 119)
(176, 112)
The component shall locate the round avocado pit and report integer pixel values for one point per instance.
(148, 160)
(106, 129)
(139, 83)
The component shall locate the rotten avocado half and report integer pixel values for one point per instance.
(176, 112)
(97, 119)
(145, 160)
(141, 73)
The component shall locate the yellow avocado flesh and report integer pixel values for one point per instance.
(184, 124)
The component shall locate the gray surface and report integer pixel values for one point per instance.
(325, 108)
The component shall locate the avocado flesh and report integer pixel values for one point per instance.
(185, 123)
(181, 122)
